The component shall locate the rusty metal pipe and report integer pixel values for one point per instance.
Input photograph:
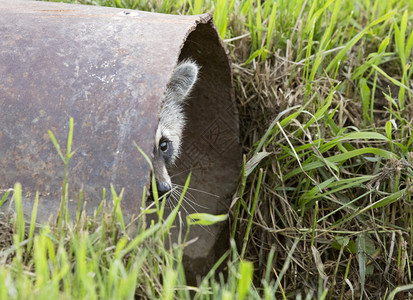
(108, 69)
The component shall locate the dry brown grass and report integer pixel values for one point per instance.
(281, 228)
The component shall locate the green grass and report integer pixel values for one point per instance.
(324, 202)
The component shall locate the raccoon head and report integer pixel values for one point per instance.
(168, 136)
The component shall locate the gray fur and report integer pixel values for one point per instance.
(172, 122)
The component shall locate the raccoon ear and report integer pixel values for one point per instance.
(183, 79)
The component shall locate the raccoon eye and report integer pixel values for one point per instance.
(163, 145)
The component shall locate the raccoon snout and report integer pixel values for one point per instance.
(163, 181)
(163, 187)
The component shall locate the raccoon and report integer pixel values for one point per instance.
(168, 136)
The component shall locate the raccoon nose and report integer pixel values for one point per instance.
(163, 188)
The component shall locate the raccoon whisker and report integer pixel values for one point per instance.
(185, 170)
(179, 173)
(196, 190)
(181, 188)
(189, 198)
(175, 197)
(176, 192)
(171, 204)
(189, 203)
(188, 170)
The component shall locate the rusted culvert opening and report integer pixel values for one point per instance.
(109, 69)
